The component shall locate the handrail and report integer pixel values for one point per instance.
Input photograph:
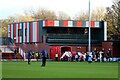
(22, 53)
(4, 48)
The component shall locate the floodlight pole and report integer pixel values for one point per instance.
(89, 34)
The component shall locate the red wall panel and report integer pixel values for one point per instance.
(79, 24)
(49, 23)
(65, 23)
(92, 24)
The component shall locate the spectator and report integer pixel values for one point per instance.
(76, 57)
(84, 57)
(56, 56)
(44, 56)
(109, 55)
(103, 53)
(89, 59)
(29, 56)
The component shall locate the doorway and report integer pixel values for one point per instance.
(63, 49)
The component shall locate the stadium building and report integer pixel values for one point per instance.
(57, 36)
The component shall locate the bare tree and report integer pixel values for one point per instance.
(97, 14)
(81, 16)
(63, 16)
(41, 13)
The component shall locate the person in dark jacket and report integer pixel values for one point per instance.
(44, 56)
(29, 56)
(109, 55)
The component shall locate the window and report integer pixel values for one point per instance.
(19, 32)
(25, 31)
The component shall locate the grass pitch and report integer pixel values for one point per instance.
(59, 70)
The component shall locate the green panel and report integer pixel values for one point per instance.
(83, 23)
(74, 23)
(61, 23)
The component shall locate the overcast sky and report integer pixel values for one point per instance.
(71, 7)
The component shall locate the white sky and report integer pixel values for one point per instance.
(71, 7)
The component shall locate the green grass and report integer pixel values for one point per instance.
(59, 70)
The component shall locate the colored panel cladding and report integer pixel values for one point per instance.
(65, 23)
(97, 24)
(56, 23)
(61, 23)
(28, 31)
(34, 36)
(79, 23)
(16, 33)
(70, 23)
(31, 31)
(21, 40)
(92, 24)
(37, 31)
(40, 30)
(12, 31)
(83, 23)
(15, 30)
(9, 30)
(43, 23)
(49, 23)
(20, 33)
(34, 31)
(74, 23)
(24, 28)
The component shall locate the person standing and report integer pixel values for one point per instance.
(56, 56)
(44, 56)
(15, 52)
(84, 57)
(29, 56)
(76, 57)
(90, 57)
(109, 55)
(103, 53)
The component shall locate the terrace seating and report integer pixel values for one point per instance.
(70, 39)
(67, 36)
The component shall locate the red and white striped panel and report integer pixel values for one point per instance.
(35, 31)
(16, 32)
(28, 31)
(49, 23)
(92, 24)
(11, 31)
(24, 32)
(18, 38)
(69, 23)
